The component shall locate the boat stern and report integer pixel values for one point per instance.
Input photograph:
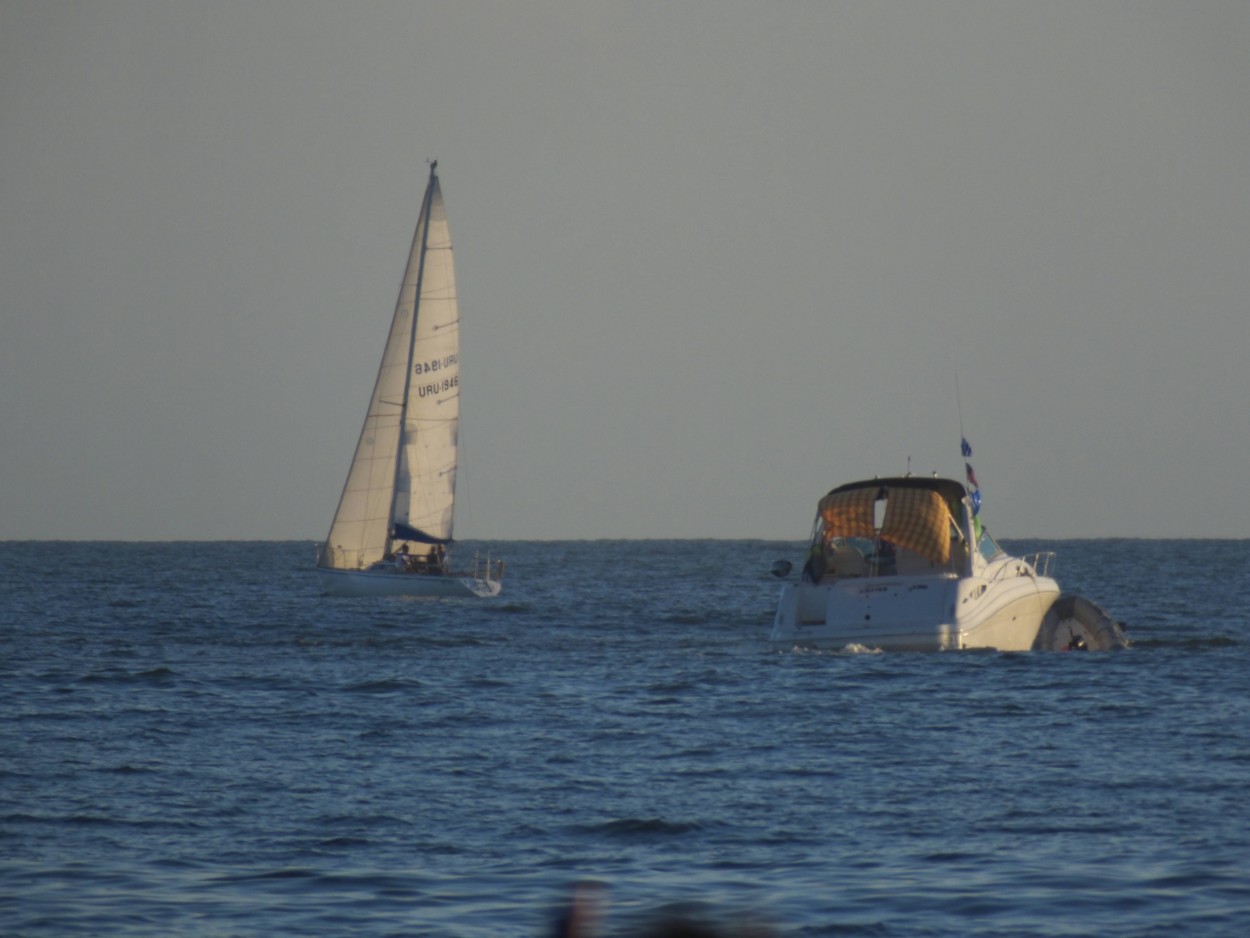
(901, 614)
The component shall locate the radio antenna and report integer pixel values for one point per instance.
(960, 408)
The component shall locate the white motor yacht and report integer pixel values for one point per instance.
(904, 564)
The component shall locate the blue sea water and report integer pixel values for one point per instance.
(194, 742)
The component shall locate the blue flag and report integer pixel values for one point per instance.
(965, 447)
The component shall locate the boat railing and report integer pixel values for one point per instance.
(1035, 565)
(1041, 561)
(487, 569)
(339, 558)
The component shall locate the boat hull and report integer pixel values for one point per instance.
(396, 583)
(915, 613)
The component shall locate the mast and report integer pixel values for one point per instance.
(412, 341)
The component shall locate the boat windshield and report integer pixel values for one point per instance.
(987, 547)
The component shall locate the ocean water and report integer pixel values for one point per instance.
(194, 742)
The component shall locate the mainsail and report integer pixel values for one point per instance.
(402, 482)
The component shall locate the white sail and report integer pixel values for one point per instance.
(401, 486)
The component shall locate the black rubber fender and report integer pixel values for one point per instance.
(1075, 623)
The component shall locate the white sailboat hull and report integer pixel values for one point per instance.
(915, 613)
(396, 583)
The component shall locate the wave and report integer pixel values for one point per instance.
(643, 826)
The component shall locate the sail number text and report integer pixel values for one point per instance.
(438, 387)
(438, 364)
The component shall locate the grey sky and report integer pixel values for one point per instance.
(714, 258)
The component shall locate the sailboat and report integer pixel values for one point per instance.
(393, 526)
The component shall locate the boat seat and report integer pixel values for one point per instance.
(843, 560)
(909, 563)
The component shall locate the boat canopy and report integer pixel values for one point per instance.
(919, 513)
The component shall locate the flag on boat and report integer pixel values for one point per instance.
(974, 494)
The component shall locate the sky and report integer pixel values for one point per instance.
(714, 258)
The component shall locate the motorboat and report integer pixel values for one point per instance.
(906, 564)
